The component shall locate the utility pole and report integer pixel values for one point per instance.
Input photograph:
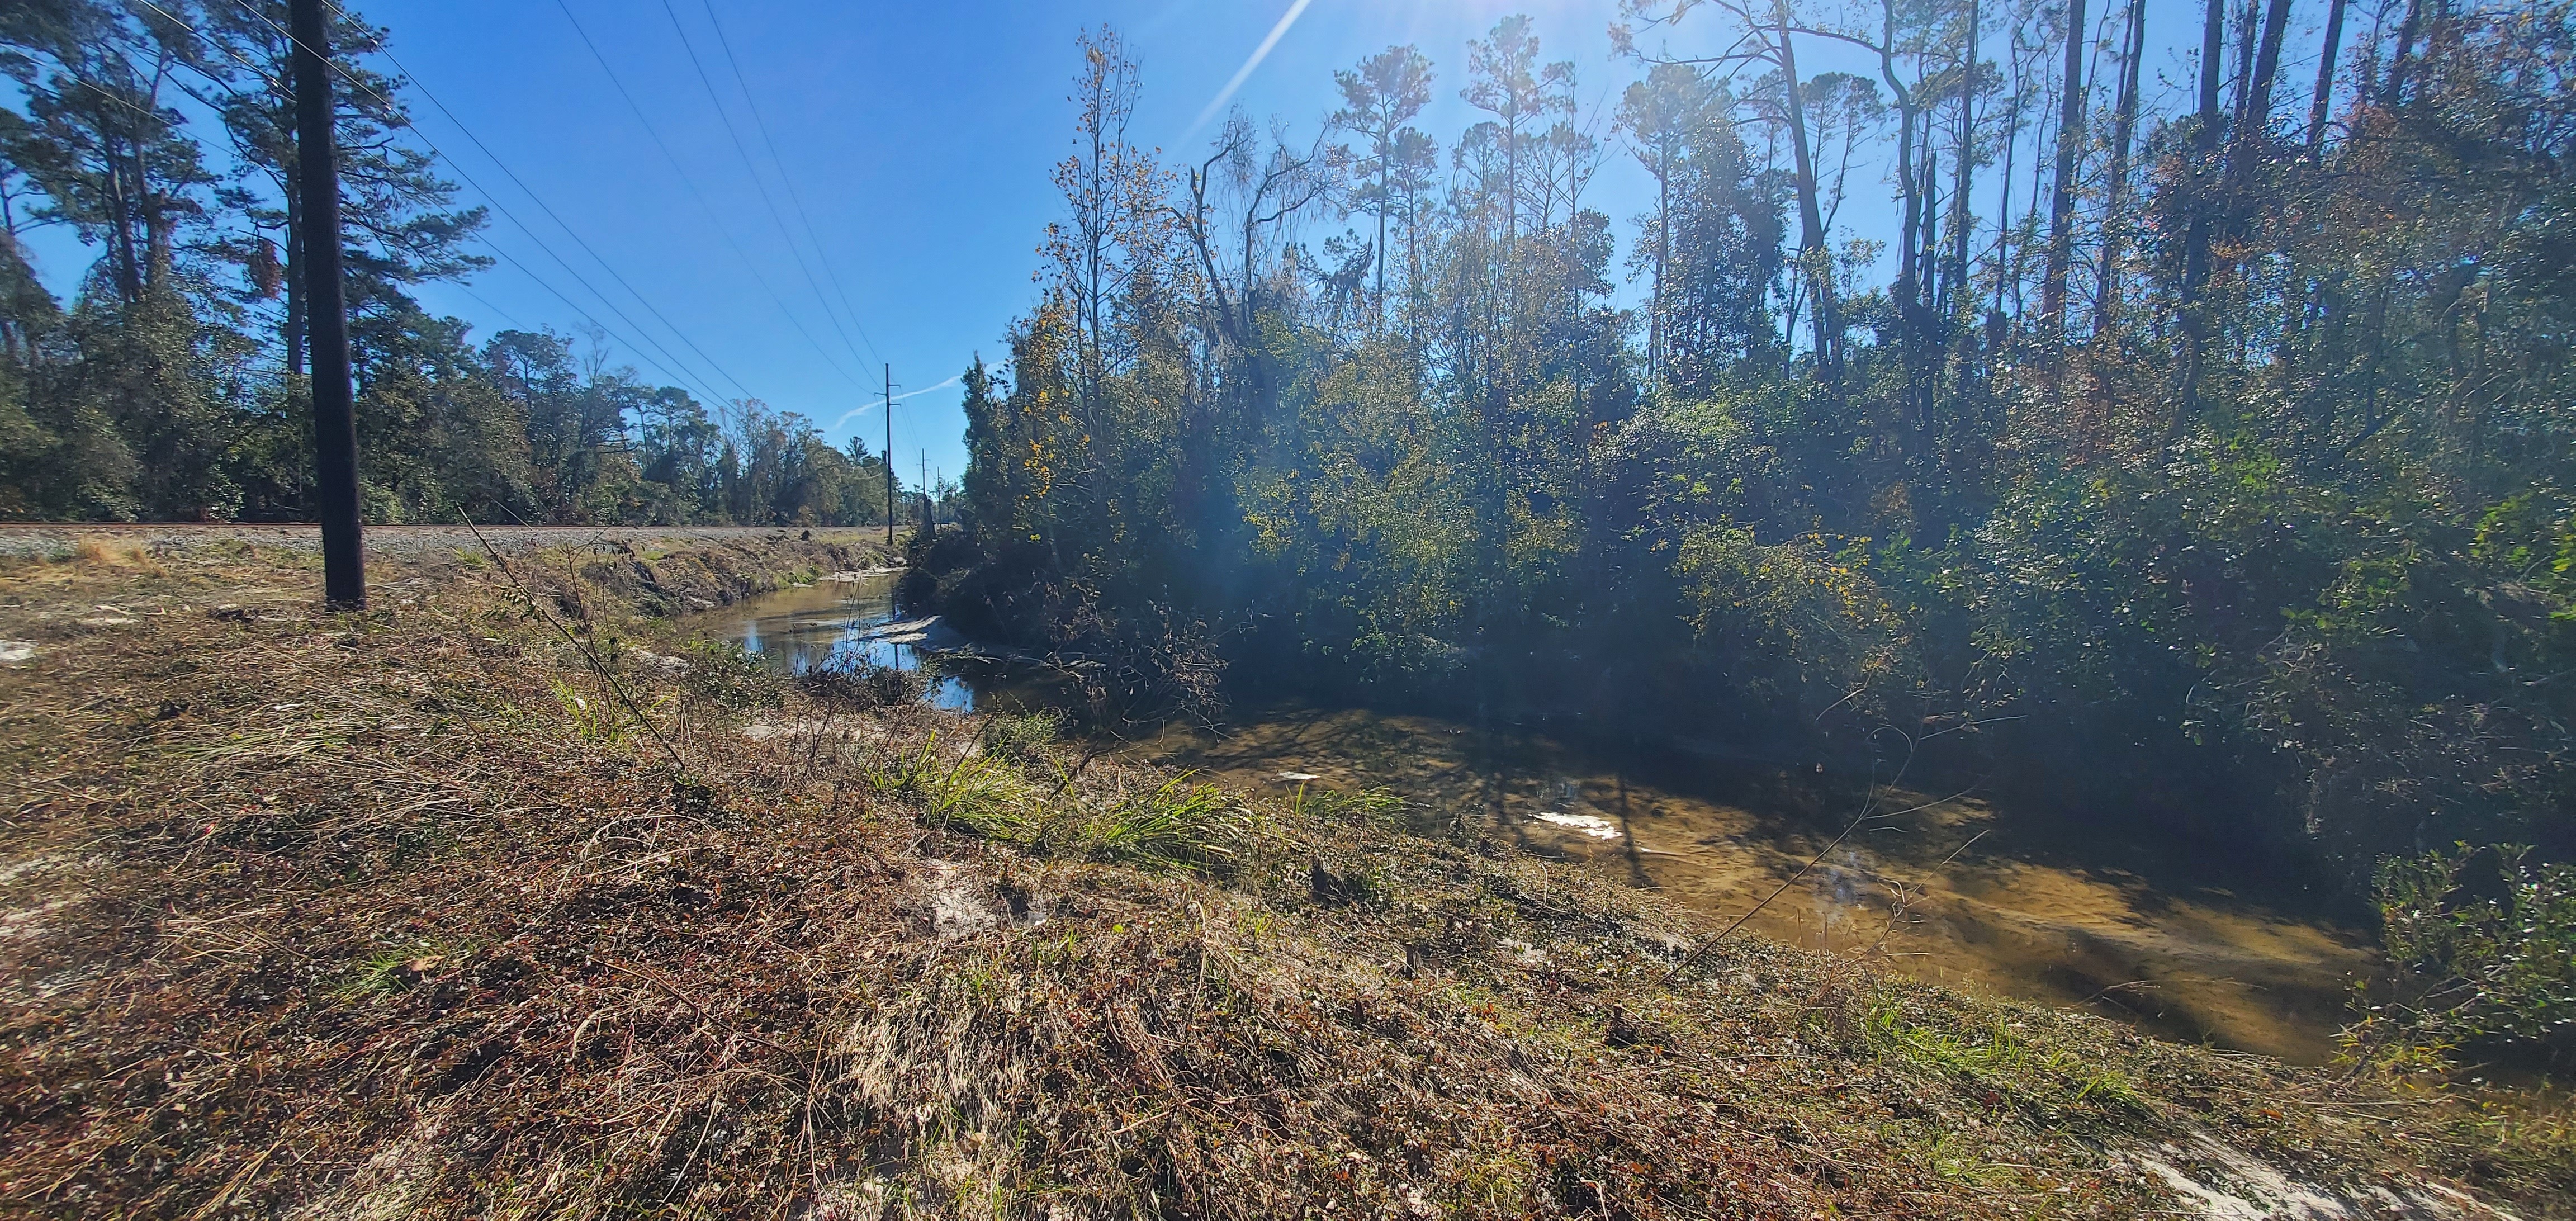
(889, 454)
(928, 524)
(335, 417)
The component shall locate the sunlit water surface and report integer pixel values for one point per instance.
(1953, 891)
(841, 624)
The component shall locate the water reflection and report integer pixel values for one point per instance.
(843, 624)
(2029, 904)
(1953, 891)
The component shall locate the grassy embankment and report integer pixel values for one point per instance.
(411, 913)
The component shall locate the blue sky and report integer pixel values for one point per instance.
(916, 141)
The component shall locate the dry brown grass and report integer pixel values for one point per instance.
(94, 552)
(381, 916)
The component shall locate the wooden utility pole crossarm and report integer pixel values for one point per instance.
(335, 419)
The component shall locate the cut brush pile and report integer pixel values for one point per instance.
(440, 912)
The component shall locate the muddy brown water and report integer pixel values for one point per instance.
(1950, 889)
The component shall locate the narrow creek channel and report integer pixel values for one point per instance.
(1954, 891)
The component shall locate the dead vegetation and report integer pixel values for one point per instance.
(411, 914)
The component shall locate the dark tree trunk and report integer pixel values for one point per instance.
(2321, 106)
(2195, 270)
(2061, 206)
(294, 283)
(120, 223)
(335, 428)
(2395, 90)
(1817, 260)
(1962, 220)
(2124, 131)
(2254, 120)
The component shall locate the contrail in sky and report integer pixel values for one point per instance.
(1244, 73)
(856, 412)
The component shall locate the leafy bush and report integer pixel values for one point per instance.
(1806, 621)
(1174, 824)
(864, 685)
(724, 673)
(2481, 953)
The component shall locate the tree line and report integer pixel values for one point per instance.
(2212, 463)
(173, 385)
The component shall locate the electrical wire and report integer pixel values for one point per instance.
(713, 216)
(687, 379)
(744, 151)
(812, 236)
(255, 69)
(506, 315)
(380, 49)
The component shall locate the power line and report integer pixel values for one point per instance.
(691, 183)
(743, 151)
(255, 70)
(542, 207)
(691, 380)
(812, 236)
(478, 300)
(688, 380)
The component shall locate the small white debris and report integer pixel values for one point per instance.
(284, 707)
(16, 652)
(762, 733)
(109, 621)
(958, 904)
(1298, 777)
(1581, 824)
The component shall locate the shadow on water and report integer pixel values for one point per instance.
(1954, 890)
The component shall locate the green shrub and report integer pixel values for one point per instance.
(972, 792)
(2481, 953)
(865, 685)
(1178, 824)
(1022, 736)
(724, 673)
